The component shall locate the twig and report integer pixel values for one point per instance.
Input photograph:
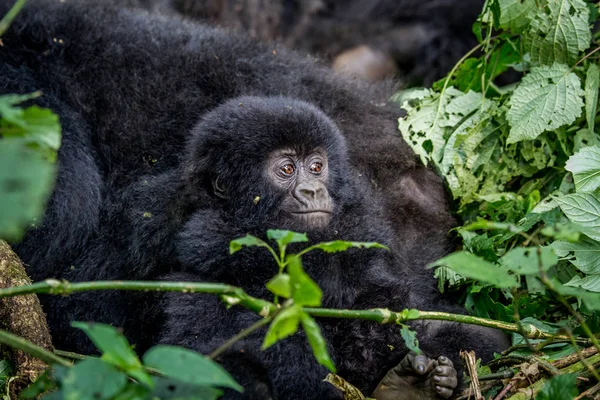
(19, 343)
(10, 15)
(230, 342)
(504, 391)
(470, 361)
(573, 358)
(590, 392)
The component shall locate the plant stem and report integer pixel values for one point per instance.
(19, 343)
(10, 15)
(230, 342)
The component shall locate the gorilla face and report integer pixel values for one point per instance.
(303, 179)
(271, 162)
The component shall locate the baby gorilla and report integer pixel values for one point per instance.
(260, 163)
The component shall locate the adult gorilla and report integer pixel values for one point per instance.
(129, 89)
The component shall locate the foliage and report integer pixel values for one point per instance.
(520, 153)
(167, 372)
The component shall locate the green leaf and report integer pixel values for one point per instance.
(591, 299)
(246, 241)
(515, 15)
(582, 209)
(316, 341)
(92, 379)
(280, 285)
(471, 266)
(26, 181)
(305, 291)
(189, 367)
(585, 167)
(343, 245)
(285, 324)
(559, 32)
(115, 349)
(585, 254)
(592, 84)
(283, 238)
(526, 260)
(133, 391)
(410, 338)
(560, 387)
(547, 98)
(42, 384)
(590, 283)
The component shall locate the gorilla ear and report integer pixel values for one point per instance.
(219, 189)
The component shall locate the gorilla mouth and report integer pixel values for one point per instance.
(311, 212)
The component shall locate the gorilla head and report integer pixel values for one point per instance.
(271, 161)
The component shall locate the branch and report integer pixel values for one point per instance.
(19, 343)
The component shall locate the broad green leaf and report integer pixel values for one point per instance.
(26, 181)
(167, 388)
(585, 167)
(471, 266)
(342, 245)
(582, 209)
(591, 299)
(280, 286)
(585, 138)
(547, 98)
(424, 127)
(560, 387)
(133, 391)
(92, 379)
(316, 341)
(305, 291)
(410, 338)
(592, 85)
(590, 282)
(558, 33)
(568, 232)
(515, 15)
(285, 324)
(42, 384)
(115, 349)
(585, 254)
(283, 238)
(189, 367)
(526, 260)
(246, 241)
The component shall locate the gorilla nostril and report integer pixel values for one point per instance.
(309, 193)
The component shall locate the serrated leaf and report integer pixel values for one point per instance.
(582, 209)
(547, 98)
(590, 282)
(189, 367)
(305, 291)
(558, 33)
(316, 341)
(280, 285)
(92, 379)
(410, 338)
(471, 266)
(246, 241)
(285, 324)
(526, 260)
(560, 387)
(283, 238)
(592, 85)
(26, 181)
(585, 167)
(515, 15)
(585, 254)
(115, 349)
(343, 245)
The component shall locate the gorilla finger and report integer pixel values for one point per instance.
(443, 360)
(444, 371)
(449, 382)
(422, 364)
(444, 392)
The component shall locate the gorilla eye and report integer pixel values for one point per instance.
(288, 169)
(316, 167)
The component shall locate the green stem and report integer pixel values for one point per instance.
(10, 15)
(19, 343)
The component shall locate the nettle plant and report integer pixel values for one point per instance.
(513, 129)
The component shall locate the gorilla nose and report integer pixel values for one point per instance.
(309, 192)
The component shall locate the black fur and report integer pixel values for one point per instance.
(132, 199)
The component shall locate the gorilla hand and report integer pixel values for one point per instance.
(418, 377)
